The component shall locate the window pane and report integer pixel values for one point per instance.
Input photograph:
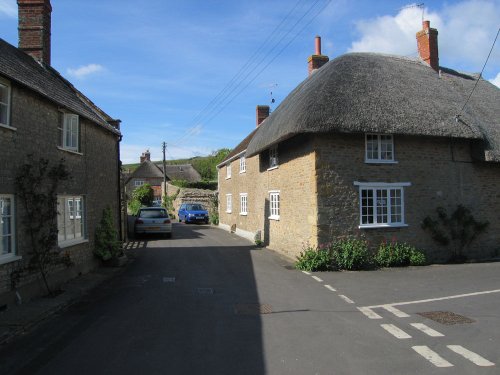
(61, 236)
(371, 146)
(5, 245)
(4, 94)
(5, 226)
(386, 146)
(68, 222)
(3, 114)
(367, 206)
(396, 206)
(382, 206)
(5, 207)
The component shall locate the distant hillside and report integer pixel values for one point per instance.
(205, 165)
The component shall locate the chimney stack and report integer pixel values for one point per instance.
(427, 42)
(317, 60)
(145, 156)
(262, 113)
(34, 28)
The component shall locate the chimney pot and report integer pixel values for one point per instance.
(262, 112)
(35, 28)
(317, 43)
(145, 156)
(317, 60)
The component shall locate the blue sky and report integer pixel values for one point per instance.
(159, 65)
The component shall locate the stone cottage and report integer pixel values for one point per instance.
(369, 145)
(43, 114)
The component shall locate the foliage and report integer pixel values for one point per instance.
(315, 259)
(107, 246)
(133, 207)
(168, 203)
(457, 230)
(258, 238)
(37, 184)
(144, 194)
(352, 254)
(214, 209)
(397, 254)
(206, 185)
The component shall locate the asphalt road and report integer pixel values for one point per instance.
(209, 302)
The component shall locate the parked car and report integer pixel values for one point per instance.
(193, 213)
(153, 220)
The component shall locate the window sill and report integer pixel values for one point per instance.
(66, 244)
(273, 168)
(243, 213)
(69, 151)
(9, 259)
(379, 226)
(242, 172)
(3, 126)
(277, 218)
(228, 178)
(229, 212)
(381, 162)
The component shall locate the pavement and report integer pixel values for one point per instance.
(20, 319)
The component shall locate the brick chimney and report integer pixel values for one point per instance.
(317, 60)
(427, 42)
(145, 156)
(34, 28)
(262, 113)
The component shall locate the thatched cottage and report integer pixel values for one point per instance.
(43, 114)
(368, 145)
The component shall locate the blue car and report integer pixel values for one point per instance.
(193, 213)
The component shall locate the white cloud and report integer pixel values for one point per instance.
(496, 80)
(86, 70)
(8, 8)
(466, 32)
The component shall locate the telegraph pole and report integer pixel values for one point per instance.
(164, 145)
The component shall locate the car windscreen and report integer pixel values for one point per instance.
(153, 213)
(195, 207)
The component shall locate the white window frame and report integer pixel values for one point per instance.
(381, 141)
(274, 205)
(228, 171)
(377, 209)
(244, 204)
(71, 207)
(273, 158)
(4, 258)
(243, 164)
(229, 203)
(6, 105)
(138, 183)
(70, 128)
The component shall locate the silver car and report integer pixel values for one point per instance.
(153, 220)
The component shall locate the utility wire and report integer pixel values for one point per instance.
(479, 77)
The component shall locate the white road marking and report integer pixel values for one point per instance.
(345, 298)
(436, 299)
(307, 273)
(471, 356)
(369, 313)
(329, 287)
(427, 330)
(395, 331)
(432, 356)
(395, 311)
(317, 279)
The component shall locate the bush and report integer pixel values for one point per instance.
(107, 246)
(398, 254)
(133, 206)
(314, 259)
(144, 194)
(352, 254)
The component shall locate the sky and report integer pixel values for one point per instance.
(191, 73)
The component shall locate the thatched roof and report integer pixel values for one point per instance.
(367, 92)
(149, 169)
(239, 149)
(21, 68)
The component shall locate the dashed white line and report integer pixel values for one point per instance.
(427, 330)
(317, 279)
(307, 273)
(395, 311)
(395, 331)
(471, 356)
(432, 356)
(345, 298)
(329, 287)
(369, 313)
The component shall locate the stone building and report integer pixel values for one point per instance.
(43, 114)
(369, 145)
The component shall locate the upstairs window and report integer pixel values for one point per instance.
(228, 170)
(4, 103)
(243, 165)
(273, 157)
(7, 227)
(138, 183)
(379, 148)
(69, 132)
(274, 205)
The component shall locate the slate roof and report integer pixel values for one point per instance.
(368, 92)
(21, 68)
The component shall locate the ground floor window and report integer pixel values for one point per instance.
(229, 203)
(274, 205)
(381, 205)
(70, 219)
(7, 233)
(243, 204)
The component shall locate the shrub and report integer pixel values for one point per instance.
(352, 254)
(107, 246)
(144, 194)
(314, 259)
(398, 254)
(133, 206)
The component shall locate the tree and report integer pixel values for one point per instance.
(144, 194)
(37, 183)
